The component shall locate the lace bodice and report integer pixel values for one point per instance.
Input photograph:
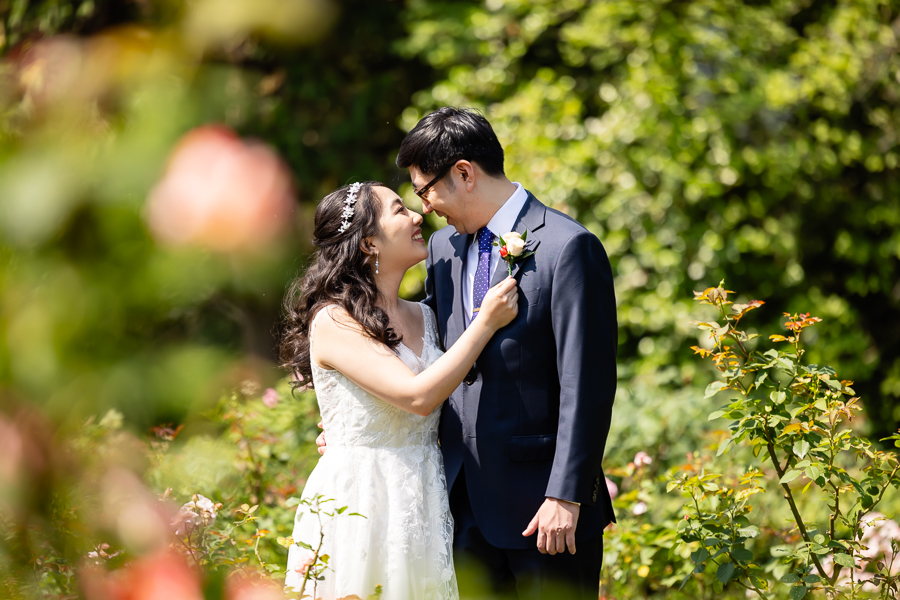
(353, 417)
(384, 463)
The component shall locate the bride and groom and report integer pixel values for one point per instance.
(502, 480)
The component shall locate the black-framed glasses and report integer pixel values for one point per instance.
(441, 174)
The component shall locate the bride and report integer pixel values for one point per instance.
(380, 377)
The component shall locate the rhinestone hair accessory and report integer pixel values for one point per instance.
(347, 215)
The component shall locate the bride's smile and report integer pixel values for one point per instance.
(399, 242)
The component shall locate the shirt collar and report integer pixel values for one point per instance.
(504, 219)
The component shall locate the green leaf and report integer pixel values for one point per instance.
(845, 560)
(742, 554)
(790, 578)
(798, 592)
(777, 397)
(796, 411)
(723, 447)
(725, 572)
(292, 502)
(716, 415)
(834, 384)
(781, 550)
(811, 578)
(698, 556)
(790, 476)
(801, 448)
(814, 471)
(714, 388)
(750, 531)
(786, 363)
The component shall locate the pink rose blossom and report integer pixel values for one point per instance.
(612, 487)
(304, 566)
(221, 192)
(270, 398)
(642, 458)
(639, 508)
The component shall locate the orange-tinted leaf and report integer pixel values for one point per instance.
(703, 352)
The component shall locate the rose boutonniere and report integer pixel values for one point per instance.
(512, 248)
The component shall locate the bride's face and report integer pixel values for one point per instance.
(400, 243)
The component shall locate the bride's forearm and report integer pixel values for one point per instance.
(435, 384)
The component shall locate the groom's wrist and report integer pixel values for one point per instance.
(566, 501)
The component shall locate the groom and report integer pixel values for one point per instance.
(523, 437)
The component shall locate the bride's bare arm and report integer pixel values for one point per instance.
(341, 344)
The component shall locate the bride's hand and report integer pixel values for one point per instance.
(500, 304)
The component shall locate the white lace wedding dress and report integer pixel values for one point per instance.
(385, 464)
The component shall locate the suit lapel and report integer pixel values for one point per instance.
(532, 219)
(456, 324)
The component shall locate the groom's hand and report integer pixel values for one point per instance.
(555, 523)
(320, 441)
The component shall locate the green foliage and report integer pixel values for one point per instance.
(794, 417)
(701, 140)
(698, 139)
(97, 313)
(235, 484)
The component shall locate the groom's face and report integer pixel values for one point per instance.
(444, 198)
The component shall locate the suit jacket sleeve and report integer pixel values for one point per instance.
(583, 314)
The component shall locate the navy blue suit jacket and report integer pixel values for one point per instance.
(534, 421)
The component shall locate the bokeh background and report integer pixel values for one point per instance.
(160, 162)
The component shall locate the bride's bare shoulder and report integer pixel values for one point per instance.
(335, 320)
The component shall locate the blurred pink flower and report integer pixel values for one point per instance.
(135, 512)
(270, 398)
(304, 565)
(162, 576)
(252, 588)
(199, 511)
(50, 70)
(221, 193)
(612, 487)
(642, 458)
(639, 508)
(877, 536)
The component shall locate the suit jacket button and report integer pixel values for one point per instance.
(594, 499)
(471, 376)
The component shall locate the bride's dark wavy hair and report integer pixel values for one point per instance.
(340, 273)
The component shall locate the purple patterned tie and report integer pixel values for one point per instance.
(483, 271)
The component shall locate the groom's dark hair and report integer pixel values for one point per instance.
(450, 134)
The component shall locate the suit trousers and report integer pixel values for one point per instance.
(485, 571)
